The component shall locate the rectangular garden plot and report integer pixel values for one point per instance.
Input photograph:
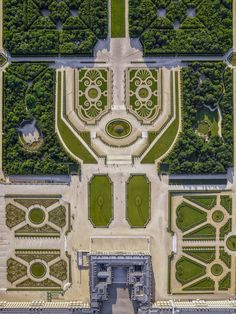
(33, 269)
(203, 260)
(37, 217)
(143, 99)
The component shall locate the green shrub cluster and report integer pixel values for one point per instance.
(208, 32)
(23, 101)
(27, 30)
(204, 84)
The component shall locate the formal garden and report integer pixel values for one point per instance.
(143, 94)
(37, 217)
(100, 201)
(204, 267)
(70, 140)
(182, 26)
(94, 94)
(38, 270)
(164, 141)
(138, 201)
(205, 144)
(52, 27)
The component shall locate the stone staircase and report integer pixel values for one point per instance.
(119, 160)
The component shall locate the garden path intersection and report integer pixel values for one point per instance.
(118, 115)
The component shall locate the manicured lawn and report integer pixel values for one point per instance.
(231, 243)
(217, 216)
(207, 232)
(36, 216)
(138, 201)
(117, 18)
(205, 201)
(225, 283)
(216, 270)
(188, 216)
(209, 117)
(225, 257)
(100, 201)
(38, 270)
(206, 255)
(70, 140)
(188, 270)
(226, 229)
(165, 141)
(206, 284)
(226, 202)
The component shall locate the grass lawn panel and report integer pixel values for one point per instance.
(138, 201)
(36, 216)
(226, 202)
(216, 270)
(210, 118)
(117, 18)
(206, 256)
(226, 229)
(225, 257)
(217, 216)
(206, 232)
(207, 201)
(100, 201)
(225, 283)
(189, 216)
(188, 270)
(231, 243)
(206, 284)
(203, 128)
(165, 141)
(70, 140)
(38, 270)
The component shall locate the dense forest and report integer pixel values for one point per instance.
(28, 94)
(43, 27)
(204, 85)
(182, 26)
